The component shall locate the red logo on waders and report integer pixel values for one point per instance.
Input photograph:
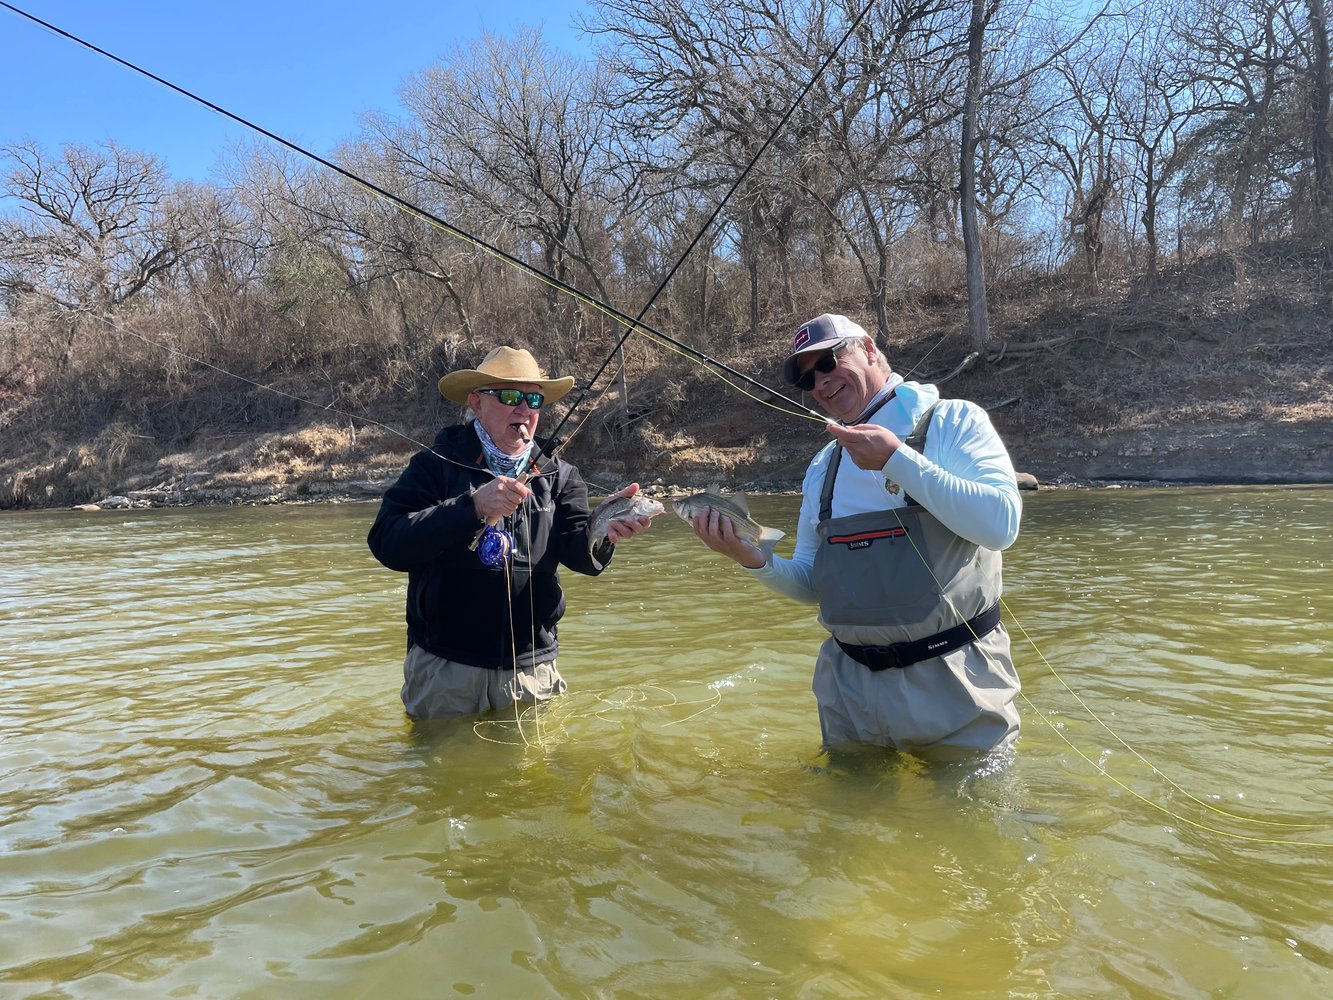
(864, 539)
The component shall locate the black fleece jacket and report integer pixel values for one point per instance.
(458, 608)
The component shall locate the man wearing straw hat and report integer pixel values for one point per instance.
(481, 637)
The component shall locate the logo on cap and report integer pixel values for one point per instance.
(802, 338)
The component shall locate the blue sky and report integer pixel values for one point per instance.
(303, 70)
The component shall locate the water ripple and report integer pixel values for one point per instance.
(207, 785)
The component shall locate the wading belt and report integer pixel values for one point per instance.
(904, 654)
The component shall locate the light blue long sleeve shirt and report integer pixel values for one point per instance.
(965, 478)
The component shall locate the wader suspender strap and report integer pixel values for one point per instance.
(916, 441)
(904, 654)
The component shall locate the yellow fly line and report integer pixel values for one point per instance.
(605, 706)
(1099, 768)
(619, 700)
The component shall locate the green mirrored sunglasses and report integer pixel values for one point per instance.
(512, 397)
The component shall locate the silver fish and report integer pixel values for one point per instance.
(618, 509)
(734, 508)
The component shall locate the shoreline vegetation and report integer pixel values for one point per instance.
(1202, 381)
(1199, 382)
(1110, 228)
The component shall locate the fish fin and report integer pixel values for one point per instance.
(741, 501)
(769, 538)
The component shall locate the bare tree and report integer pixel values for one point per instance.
(701, 86)
(1082, 148)
(999, 87)
(312, 269)
(706, 84)
(977, 321)
(378, 249)
(1154, 103)
(1243, 54)
(95, 229)
(516, 134)
(220, 286)
(1321, 140)
(886, 139)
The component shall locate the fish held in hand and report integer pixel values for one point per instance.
(735, 509)
(619, 509)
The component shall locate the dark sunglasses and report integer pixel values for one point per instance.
(824, 364)
(512, 397)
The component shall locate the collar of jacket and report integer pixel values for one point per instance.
(459, 443)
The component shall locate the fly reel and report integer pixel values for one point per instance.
(495, 546)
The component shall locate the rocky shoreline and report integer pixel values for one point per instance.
(253, 496)
(1279, 453)
(361, 491)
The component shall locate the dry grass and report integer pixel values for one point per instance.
(56, 472)
(1235, 339)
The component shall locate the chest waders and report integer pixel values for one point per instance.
(896, 586)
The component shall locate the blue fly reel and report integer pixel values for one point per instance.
(495, 546)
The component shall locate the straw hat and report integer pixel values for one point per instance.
(504, 365)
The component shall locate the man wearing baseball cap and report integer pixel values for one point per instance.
(900, 548)
(481, 632)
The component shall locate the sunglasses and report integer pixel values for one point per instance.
(824, 364)
(512, 397)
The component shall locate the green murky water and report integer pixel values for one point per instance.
(208, 788)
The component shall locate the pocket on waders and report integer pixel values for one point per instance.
(873, 573)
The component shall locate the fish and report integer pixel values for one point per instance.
(618, 509)
(734, 508)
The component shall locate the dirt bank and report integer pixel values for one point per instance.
(1280, 451)
(1222, 373)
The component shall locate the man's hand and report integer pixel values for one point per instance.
(628, 527)
(499, 498)
(719, 534)
(870, 445)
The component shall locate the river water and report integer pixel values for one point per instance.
(208, 787)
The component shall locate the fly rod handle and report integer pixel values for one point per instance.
(491, 522)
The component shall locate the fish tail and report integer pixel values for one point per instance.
(769, 538)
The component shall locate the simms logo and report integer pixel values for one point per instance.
(802, 338)
(864, 539)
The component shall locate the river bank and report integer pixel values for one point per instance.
(1264, 443)
(1281, 433)
(1221, 373)
(1290, 453)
